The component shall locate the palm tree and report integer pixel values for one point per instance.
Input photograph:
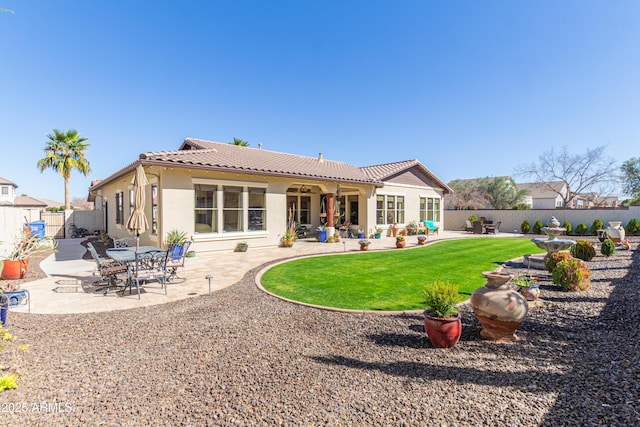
(240, 142)
(63, 153)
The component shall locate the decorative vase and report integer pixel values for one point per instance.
(615, 231)
(443, 332)
(14, 298)
(15, 269)
(322, 236)
(531, 293)
(377, 235)
(401, 244)
(364, 247)
(498, 308)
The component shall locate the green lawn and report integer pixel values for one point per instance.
(393, 279)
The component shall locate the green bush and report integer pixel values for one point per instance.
(521, 207)
(440, 299)
(581, 229)
(555, 259)
(525, 227)
(608, 248)
(568, 226)
(571, 275)
(633, 226)
(472, 218)
(537, 227)
(597, 225)
(584, 250)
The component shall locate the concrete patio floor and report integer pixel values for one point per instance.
(62, 292)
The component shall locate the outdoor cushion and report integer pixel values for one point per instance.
(430, 225)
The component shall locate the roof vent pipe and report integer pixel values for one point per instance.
(320, 157)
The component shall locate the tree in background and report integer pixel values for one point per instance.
(467, 194)
(502, 192)
(240, 142)
(631, 180)
(64, 152)
(579, 172)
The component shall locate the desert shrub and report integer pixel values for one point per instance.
(440, 299)
(525, 227)
(581, 229)
(608, 248)
(572, 275)
(633, 226)
(597, 225)
(568, 226)
(584, 250)
(555, 259)
(537, 227)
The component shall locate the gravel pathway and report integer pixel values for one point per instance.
(241, 357)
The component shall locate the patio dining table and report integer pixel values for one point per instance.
(129, 254)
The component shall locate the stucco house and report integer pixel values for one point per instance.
(15, 210)
(220, 193)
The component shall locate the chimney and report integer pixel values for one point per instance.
(320, 159)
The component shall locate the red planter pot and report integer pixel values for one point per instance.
(443, 332)
(15, 269)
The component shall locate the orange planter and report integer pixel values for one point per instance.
(15, 269)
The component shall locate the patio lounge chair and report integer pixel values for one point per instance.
(468, 226)
(491, 228)
(175, 260)
(431, 226)
(108, 271)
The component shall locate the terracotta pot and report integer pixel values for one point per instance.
(364, 247)
(401, 243)
(422, 242)
(498, 308)
(287, 243)
(15, 269)
(443, 332)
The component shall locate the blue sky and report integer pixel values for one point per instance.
(469, 88)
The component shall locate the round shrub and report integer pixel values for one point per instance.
(608, 248)
(572, 275)
(581, 229)
(555, 259)
(473, 218)
(568, 226)
(633, 226)
(584, 250)
(597, 225)
(525, 227)
(537, 227)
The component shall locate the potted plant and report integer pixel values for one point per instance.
(336, 236)
(322, 233)
(360, 233)
(176, 238)
(400, 242)
(241, 246)
(527, 287)
(16, 262)
(378, 233)
(442, 321)
(190, 254)
(364, 244)
(422, 239)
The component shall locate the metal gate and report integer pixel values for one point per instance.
(54, 224)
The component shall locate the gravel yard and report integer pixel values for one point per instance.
(241, 357)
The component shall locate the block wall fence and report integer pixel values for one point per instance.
(512, 219)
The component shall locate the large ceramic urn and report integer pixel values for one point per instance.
(499, 308)
(615, 231)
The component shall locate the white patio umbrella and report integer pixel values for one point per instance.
(137, 222)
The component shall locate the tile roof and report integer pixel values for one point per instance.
(6, 181)
(387, 170)
(233, 158)
(24, 201)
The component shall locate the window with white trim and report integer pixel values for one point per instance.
(389, 209)
(229, 208)
(430, 209)
(120, 208)
(154, 209)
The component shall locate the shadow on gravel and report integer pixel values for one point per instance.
(606, 365)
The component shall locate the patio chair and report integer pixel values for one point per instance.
(431, 226)
(148, 266)
(125, 242)
(344, 229)
(491, 228)
(468, 226)
(108, 270)
(175, 260)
